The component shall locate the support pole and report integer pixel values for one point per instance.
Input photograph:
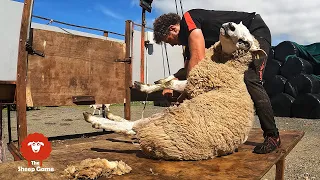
(142, 44)
(128, 67)
(280, 169)
(1, 143)
(9, 123)
(22, 73)
(106, 33)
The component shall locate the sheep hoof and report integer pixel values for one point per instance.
(96, 126)
(137, 85)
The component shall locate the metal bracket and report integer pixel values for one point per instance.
(31, 51)
(29, 45)
(126, 60)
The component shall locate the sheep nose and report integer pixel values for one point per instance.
(232, 28)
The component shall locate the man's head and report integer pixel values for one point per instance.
(236, 36)
(166, 29)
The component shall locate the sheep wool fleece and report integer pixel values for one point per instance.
(214, 122)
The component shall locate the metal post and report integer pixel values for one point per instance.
(103, 111)
(22, 73)
(1, 143)
(128, 75)
(142, 44)
(9, 122)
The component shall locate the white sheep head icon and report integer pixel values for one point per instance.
(35, 146)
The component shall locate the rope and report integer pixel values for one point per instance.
(176, 7)
(165, 47)
(146, 57)
(145, 102)
(164, 68)
(144, 107)
(181, 7)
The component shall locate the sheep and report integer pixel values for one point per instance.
(218, 114)
(98, 107)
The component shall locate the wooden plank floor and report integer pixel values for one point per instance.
(241, 165)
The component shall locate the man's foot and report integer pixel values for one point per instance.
(270, 144)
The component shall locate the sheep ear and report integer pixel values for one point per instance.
(241, 23)
(41, 143)
(259, 54)
(217, 45)
(30, 143)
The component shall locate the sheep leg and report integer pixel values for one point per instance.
(163, 81)
(173, 84)
(113, 117)
(125, 127)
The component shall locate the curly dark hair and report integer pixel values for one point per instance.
(161, 26)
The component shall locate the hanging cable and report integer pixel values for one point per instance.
(183, 52)
(164, 68)
(181, 7)
(176, 6)
(144, 107)
(165, 47)
(145, 102)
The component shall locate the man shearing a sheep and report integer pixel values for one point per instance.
(199, 29)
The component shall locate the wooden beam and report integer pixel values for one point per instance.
(22, 72)
(7, 82)
(106, 33)
(142, 45)
(128, 74)
(14, 151)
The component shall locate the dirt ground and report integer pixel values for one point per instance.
(302, 163)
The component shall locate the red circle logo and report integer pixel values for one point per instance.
(35, 147)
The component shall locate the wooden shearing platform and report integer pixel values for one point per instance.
(241, 165)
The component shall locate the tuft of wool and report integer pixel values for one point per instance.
(95, 168)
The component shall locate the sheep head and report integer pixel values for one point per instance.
(35, 146)
(236, 37)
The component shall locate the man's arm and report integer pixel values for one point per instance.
(196, 48)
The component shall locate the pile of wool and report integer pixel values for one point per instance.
(95, 168)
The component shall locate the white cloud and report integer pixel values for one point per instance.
(293, 20)
(108, 12)
(135, 2)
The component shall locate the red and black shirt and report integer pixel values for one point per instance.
(210, 22)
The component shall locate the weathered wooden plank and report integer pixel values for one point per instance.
(75, 66)
(241, 165)
(21, 100)
(7, 92)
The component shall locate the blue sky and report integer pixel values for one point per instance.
(102, 14)
(294, 21)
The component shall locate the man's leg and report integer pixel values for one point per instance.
(253, 80)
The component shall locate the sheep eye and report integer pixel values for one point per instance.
(245, 43)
